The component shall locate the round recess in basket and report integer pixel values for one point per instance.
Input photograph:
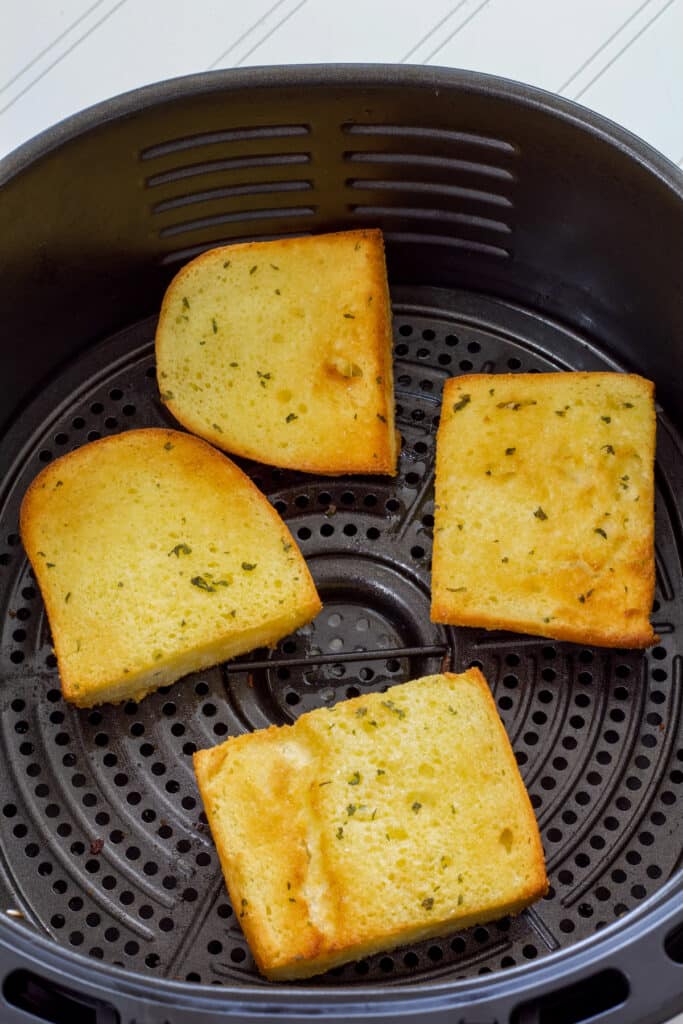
(104, 840)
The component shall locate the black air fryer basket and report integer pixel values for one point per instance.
(523, 233)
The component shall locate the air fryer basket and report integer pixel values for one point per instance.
(523, 234)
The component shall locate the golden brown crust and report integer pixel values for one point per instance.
(318, 436)
(311, 896)
(106, 528)
(558, 460)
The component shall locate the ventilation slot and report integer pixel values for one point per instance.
(438, 135)
(211, 195)
(432, 189)
(239, 163)
(233, 218)
(282, 131)
(442, 166)
(575, 1003)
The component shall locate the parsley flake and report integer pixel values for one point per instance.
(248, 566)
(202, 584)
(540, 514)
(180, 549)
(461, 403)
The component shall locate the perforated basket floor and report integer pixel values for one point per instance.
(103, 845)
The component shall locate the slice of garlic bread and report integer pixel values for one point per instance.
(544, 516)
(281, 352)
(156, 556)
(391, 818)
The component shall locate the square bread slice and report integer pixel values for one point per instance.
(387, 819)
(544, 518)
(156, 556)
(282, 352)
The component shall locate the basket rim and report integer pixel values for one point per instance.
(311, 76)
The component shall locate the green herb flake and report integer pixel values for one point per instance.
(510, 451)
(361, 712)
(166, 396)
(278, 292)
(290, 417)
(381, 771)
(516, 405)
(461, 403)
(168, 446)
(349, 316)
(453, 810)
(67, 597)
(381, 418)
(461, 899)
(286, 545)
(415, 806)
(389, 704)
(50, 565)
(598, 529)
(456, 590)
(214, 325)
(120, 584)
(492, 391)
(355, 779)
(245, 904)
(180, 549)
(328, 782)
(627, 405)
(584, 597)
(606, 419)
(607, 449)
(428, 902)
(339, 833)
(379, 379)
(186, 302)
(291, 899)
(505, 558)
(248, 566)
(547, 618)
(202, 584)
(540, 514)
(253, 269)
(234, 365)
(226, 264)
(351, 809)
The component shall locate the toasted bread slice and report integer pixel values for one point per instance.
(156, 556)
(544, 518)
(281, 352)
(387, 819)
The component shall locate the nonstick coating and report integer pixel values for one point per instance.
(103, 845)
(104, 836)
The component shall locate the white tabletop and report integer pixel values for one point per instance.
(620, 57)
(623, 58)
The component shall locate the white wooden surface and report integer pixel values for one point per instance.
(623, 58)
